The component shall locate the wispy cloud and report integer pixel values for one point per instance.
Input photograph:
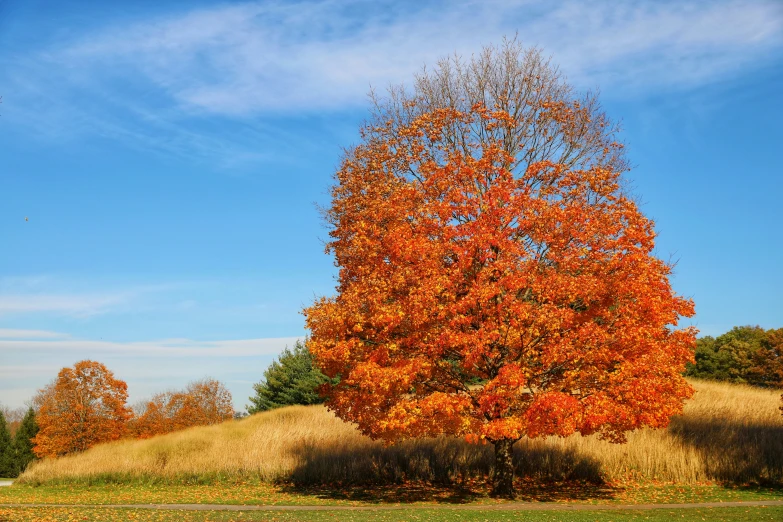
(153, 82)
(23, 283)
(75, 305)
(27, 371)
(7, 333)
(313, 55)
(35, 298)
(161, 348)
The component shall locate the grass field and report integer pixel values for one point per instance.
(727, 446)
(727, 434)
(408, 515)
(408, 494)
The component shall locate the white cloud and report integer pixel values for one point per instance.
(174, 84)
(26, 371)
(36, 299)
(8, 333)
(665, 44)
(281, 56)
(162, 348)
(76, 305)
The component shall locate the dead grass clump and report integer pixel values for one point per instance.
(727, 433)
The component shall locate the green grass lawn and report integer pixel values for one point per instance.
(379, 504)
(418, 495)
(385, 515)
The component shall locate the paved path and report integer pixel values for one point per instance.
(6, 482)
(509, 506)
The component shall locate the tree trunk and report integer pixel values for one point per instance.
(503, 474)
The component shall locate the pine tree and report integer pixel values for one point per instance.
(23, 444)
(7, 467)
(292, 379)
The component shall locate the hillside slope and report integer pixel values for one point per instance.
(727, 433)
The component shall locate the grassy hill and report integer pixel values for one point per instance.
(728, 433)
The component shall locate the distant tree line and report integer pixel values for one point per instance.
(86, 405)
(201, 403)
(743, 355)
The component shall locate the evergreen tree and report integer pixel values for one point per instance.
(7, 467)
(291, 379)
(23, 444)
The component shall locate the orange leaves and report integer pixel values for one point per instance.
(201, 403)
(434, 414)
(84, 406)
(553, 413)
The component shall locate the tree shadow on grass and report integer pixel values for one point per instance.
(527, 491)
(773, 491)
(733, 453)
(389, 493)
(442, 470)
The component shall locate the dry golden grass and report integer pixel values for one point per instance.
(727, 433)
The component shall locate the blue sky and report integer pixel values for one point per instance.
(169, 155)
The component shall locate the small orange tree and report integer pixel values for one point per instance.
(207, 402)
(155, 416)
(202, 403)
(495, 282)
(84, 406)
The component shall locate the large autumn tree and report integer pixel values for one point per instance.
(84, 406)
(495, 280)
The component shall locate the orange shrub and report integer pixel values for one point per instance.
(201, 403)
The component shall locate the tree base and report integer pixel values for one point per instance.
(503, 474)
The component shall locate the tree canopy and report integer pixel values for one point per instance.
(291, 379)
(482, 233)
(84, 406)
